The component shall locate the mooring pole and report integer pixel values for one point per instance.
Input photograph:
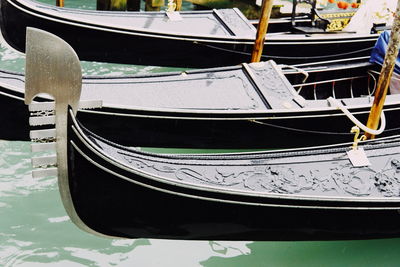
(386, 74)
(261, 30)
(178, 5)
(60, 3)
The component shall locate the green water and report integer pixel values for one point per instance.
(36, 232)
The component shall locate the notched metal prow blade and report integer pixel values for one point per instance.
(52, 67)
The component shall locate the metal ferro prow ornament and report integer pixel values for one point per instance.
(52, 68)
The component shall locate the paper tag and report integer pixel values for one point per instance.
(358, 157)
(174, 16)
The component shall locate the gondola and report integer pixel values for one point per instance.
(305, 194)
(230, 104)
(313, 193)
(201, 39)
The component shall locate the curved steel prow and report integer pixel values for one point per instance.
(53, 68)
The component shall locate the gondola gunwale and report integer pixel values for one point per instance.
(315, 198)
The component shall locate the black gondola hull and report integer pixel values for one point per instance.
(152, 129)
(183, 128)
(116, 202)
(97, 43)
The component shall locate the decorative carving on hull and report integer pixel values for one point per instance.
(334, 178)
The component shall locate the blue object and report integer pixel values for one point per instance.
(379, 51)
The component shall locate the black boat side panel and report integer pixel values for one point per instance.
(174, 50)
(113, 206)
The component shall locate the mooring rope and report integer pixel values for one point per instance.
(299, 130)
(311, 131)
(283, 57)
(335, 103)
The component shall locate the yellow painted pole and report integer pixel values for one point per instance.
(386, 74)
(60, 3)
(178, 5)
(261, 30)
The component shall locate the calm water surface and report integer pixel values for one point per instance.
(35, 230)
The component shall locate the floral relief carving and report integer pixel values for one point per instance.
(342, 180)
(235, 23)
(271, 82)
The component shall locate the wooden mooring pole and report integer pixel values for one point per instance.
(178, 5)
(261, 30)
(386, 74)
(60, 3)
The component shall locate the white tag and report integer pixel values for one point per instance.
(358, 157)
(174, 16)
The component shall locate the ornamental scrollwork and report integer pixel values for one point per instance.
(332, 180)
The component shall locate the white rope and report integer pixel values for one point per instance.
(335, 103)
(305, 73)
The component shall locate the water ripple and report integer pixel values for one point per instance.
(15, 174)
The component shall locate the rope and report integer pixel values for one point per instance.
(321, 56)
(315, 131)
(305, 73)
(337, 104)
(282, 57)
(300, 130)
